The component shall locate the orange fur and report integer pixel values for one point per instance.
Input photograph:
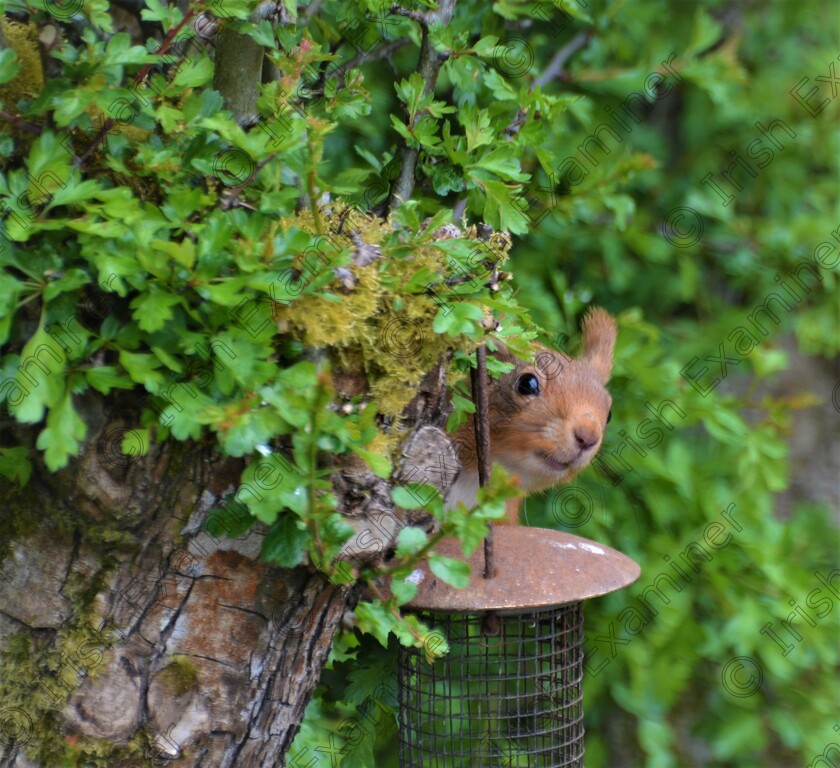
(546, 438)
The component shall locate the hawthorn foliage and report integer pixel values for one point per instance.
(670, 161)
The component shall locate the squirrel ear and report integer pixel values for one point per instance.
(599, 332)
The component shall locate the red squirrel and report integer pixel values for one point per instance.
(547, 417)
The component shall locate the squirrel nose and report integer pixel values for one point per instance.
(585, 436)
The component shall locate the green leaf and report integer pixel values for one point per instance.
(142, 368)
(410, 541)
(263, 33)
(477, 126)
(410, 93)
(705, 31)
(75, 192)
(446, 178)
(39, 380)
(194, 72)
(286, 542)
(380, 465)
(15, 464)
(415, 496)
(182, 252)
(361, 754)
(9, 65)
(403, 591)
(136, 443)
(485, 46)
(375, 619)
(452, 571)
(69, 281)
(10, 289)
(503, 162)
(499, 87)
(153, 310)
(499, 210)
(63, 434)
(461, 318)
(229, 520)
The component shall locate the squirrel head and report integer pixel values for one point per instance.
(548, 415)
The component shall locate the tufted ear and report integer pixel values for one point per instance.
(599, 332)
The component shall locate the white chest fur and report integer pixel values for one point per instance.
(463, 489)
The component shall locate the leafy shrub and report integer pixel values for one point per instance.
(672, 162)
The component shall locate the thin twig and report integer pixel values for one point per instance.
(138, 78)
(481, 423)
(417, 557)
(428, 67)
(24, 125)
(364, 58)
(555, 66)
(513, 127)
(424, 18)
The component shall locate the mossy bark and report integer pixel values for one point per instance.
(239, 64)
(130, 635)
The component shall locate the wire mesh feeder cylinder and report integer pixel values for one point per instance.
(508, 694)
(512, 698)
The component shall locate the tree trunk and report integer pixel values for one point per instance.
(131, 633)
(132, 636)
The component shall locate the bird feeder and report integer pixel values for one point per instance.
(509, 692)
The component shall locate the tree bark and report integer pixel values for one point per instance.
(129, 635)
(132, 634)
(239, 64)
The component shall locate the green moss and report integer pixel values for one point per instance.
(29, 81)
(15, 521)
(28, 684)
(376, 327)
(179, 676)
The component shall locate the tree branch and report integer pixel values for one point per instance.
(239, 61)
(554, 69)
(380, 53)
(555, 66)
(481, 425)
(428, 67)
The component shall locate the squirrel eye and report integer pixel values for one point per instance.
(527, 384)
(609, 415)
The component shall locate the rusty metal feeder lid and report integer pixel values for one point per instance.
(535, 567)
